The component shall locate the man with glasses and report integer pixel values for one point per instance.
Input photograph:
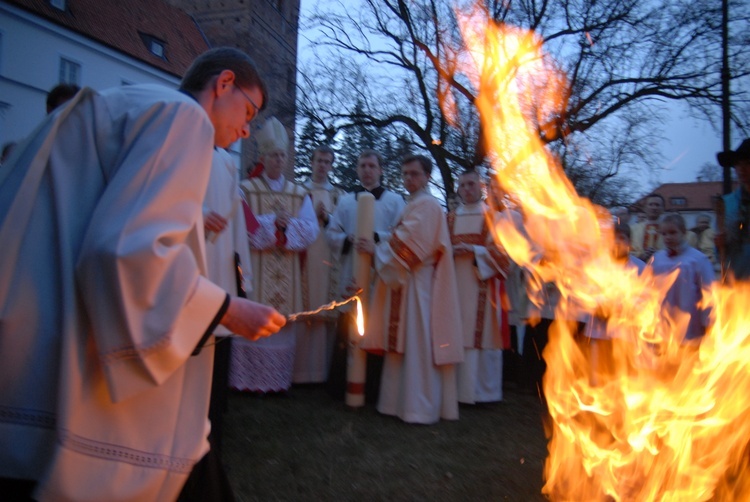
(106, 343)
(414, 315)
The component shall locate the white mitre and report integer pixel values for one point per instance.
(271, 137)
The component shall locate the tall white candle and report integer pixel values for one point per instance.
(356, 357)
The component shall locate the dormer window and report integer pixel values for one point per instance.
(678, 201)
(59, 4)
(154, 45)
(157, 49)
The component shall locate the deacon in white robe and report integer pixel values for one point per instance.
(414, 316)
(480, 266)
(228, 265)
(315, 339)
(225, 228)
(287, 227)
(342, 228)
(340, 233)
(104, 375)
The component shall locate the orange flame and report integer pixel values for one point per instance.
(663, 420)
(360, 318)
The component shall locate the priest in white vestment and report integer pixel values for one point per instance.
(105, 335)
(315, 339)
(287, 226)
(480, 268)
(414, 316)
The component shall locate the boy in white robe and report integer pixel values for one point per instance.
(480, 265)
(312, 357)
(695, 276)
(105, 368)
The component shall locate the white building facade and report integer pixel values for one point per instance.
(36, 55)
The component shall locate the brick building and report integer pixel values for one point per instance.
(688, 199)
(267, 30)
(92, 43)
(106, 43)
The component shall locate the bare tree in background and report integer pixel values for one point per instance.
(622, 58)
(710, 172)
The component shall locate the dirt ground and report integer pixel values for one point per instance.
(306, 445)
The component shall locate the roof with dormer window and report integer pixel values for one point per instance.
(127, 25)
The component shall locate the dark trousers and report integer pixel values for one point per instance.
(208, 481)
(512, 360)
(16, 490)
(219, 403)
(336, 384)
(532, 361)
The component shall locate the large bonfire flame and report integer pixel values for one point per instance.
(666, 421)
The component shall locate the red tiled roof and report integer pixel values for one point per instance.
(699, 196)
(119, 24)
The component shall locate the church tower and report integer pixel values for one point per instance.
(267, 30)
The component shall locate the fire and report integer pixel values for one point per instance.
(665, 420)
(360, 318)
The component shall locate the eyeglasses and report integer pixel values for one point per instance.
(256, 107)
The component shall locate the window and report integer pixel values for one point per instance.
(154, 45)
(70, 72)
(157, 49)
(59, 4)
(678, 201)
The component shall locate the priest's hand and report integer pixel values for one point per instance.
(322, 212)
(251, 320)
(282, 219)
(462, 248)
(365, 245)
(351, 289)
(213, 222)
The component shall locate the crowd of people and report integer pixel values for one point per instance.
(142, 279)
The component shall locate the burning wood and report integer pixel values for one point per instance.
(668, 420)
(331, 306)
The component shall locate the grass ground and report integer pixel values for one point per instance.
(307, 446)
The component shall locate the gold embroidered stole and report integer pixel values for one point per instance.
(277, 277)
